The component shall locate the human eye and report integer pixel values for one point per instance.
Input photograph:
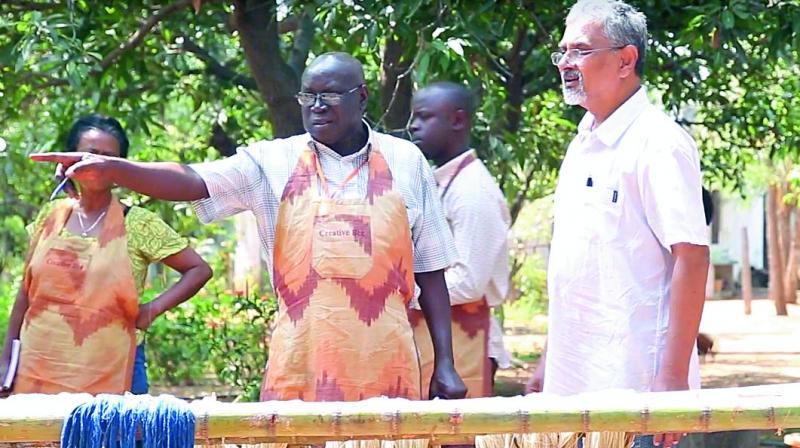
(331, 98)
(305, 96)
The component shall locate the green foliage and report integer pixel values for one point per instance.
(177, 79)
(531, 284)
(221, 335)
(532, 233)
(8, 293)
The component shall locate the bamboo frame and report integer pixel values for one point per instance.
(38, 418)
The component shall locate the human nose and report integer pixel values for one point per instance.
(565, 63)
(413, 126)
(318, 105)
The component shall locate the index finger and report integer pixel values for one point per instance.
(58, 157)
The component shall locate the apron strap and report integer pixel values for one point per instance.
(469, 158)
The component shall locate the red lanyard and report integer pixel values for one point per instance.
(324, 180)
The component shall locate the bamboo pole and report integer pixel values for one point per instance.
(747, 278)
(38, 418)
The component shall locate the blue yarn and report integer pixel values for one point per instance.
(115, 421)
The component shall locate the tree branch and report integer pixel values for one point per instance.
(303, 39)
(256, 22)
(140, 34)
(394, 78)
(216, 68)
(516, 207)
(222, 141)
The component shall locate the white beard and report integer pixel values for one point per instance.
(574, 96)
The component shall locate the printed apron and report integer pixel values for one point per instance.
(343, 274)
(470, 328)
(78, 334)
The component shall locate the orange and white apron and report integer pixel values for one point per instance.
(470, 328)
(343, 274)
(78, 334)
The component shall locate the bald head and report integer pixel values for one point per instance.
(454, 95)
(335, 123)
(345, 67)
(442, 117)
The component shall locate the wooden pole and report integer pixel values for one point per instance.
(747, 278)
(776, 266)
(38, 418)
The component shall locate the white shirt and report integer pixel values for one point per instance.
(610, 263)
(254, 178)
(478, 216)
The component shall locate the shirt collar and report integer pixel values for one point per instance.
(615, 125)
(322, 148)
(443, 173)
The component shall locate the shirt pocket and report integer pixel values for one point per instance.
(602, 213)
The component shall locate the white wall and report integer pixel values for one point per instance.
(733, 214)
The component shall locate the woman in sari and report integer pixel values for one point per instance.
(78, 309)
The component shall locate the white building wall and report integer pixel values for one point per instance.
(735, 213)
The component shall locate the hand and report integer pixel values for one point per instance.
(665, 383)
(446, 383)
(78, 165)
(147, 314)
(536, 381)
(69, 187)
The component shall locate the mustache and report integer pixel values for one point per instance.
(571, 73)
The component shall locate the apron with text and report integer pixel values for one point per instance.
(343, 274)
(78, 334)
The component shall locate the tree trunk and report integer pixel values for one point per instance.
(277, 82)
(790, 275)
(776, 267)
(514, 82)
(396, 86)
(783, 222)
(747, 279)
(791, 269)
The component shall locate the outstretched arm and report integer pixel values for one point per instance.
(162, 180)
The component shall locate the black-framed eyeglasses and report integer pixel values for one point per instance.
(327, 98)
(576, 54)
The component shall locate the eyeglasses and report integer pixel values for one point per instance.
(327, 98)
(576, 54)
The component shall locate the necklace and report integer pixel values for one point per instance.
(84, 230)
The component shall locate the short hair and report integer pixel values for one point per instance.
(102, 123)
(457, 94)
(622, 24)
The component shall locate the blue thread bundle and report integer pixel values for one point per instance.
(115, 421)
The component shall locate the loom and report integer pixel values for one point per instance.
(489, 422)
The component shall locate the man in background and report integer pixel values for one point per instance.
(478, 216)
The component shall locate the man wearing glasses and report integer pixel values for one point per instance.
(350, 221)
(629, 253)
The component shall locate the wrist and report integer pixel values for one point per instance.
(673, 374)
(112, 164)
(445, 363)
